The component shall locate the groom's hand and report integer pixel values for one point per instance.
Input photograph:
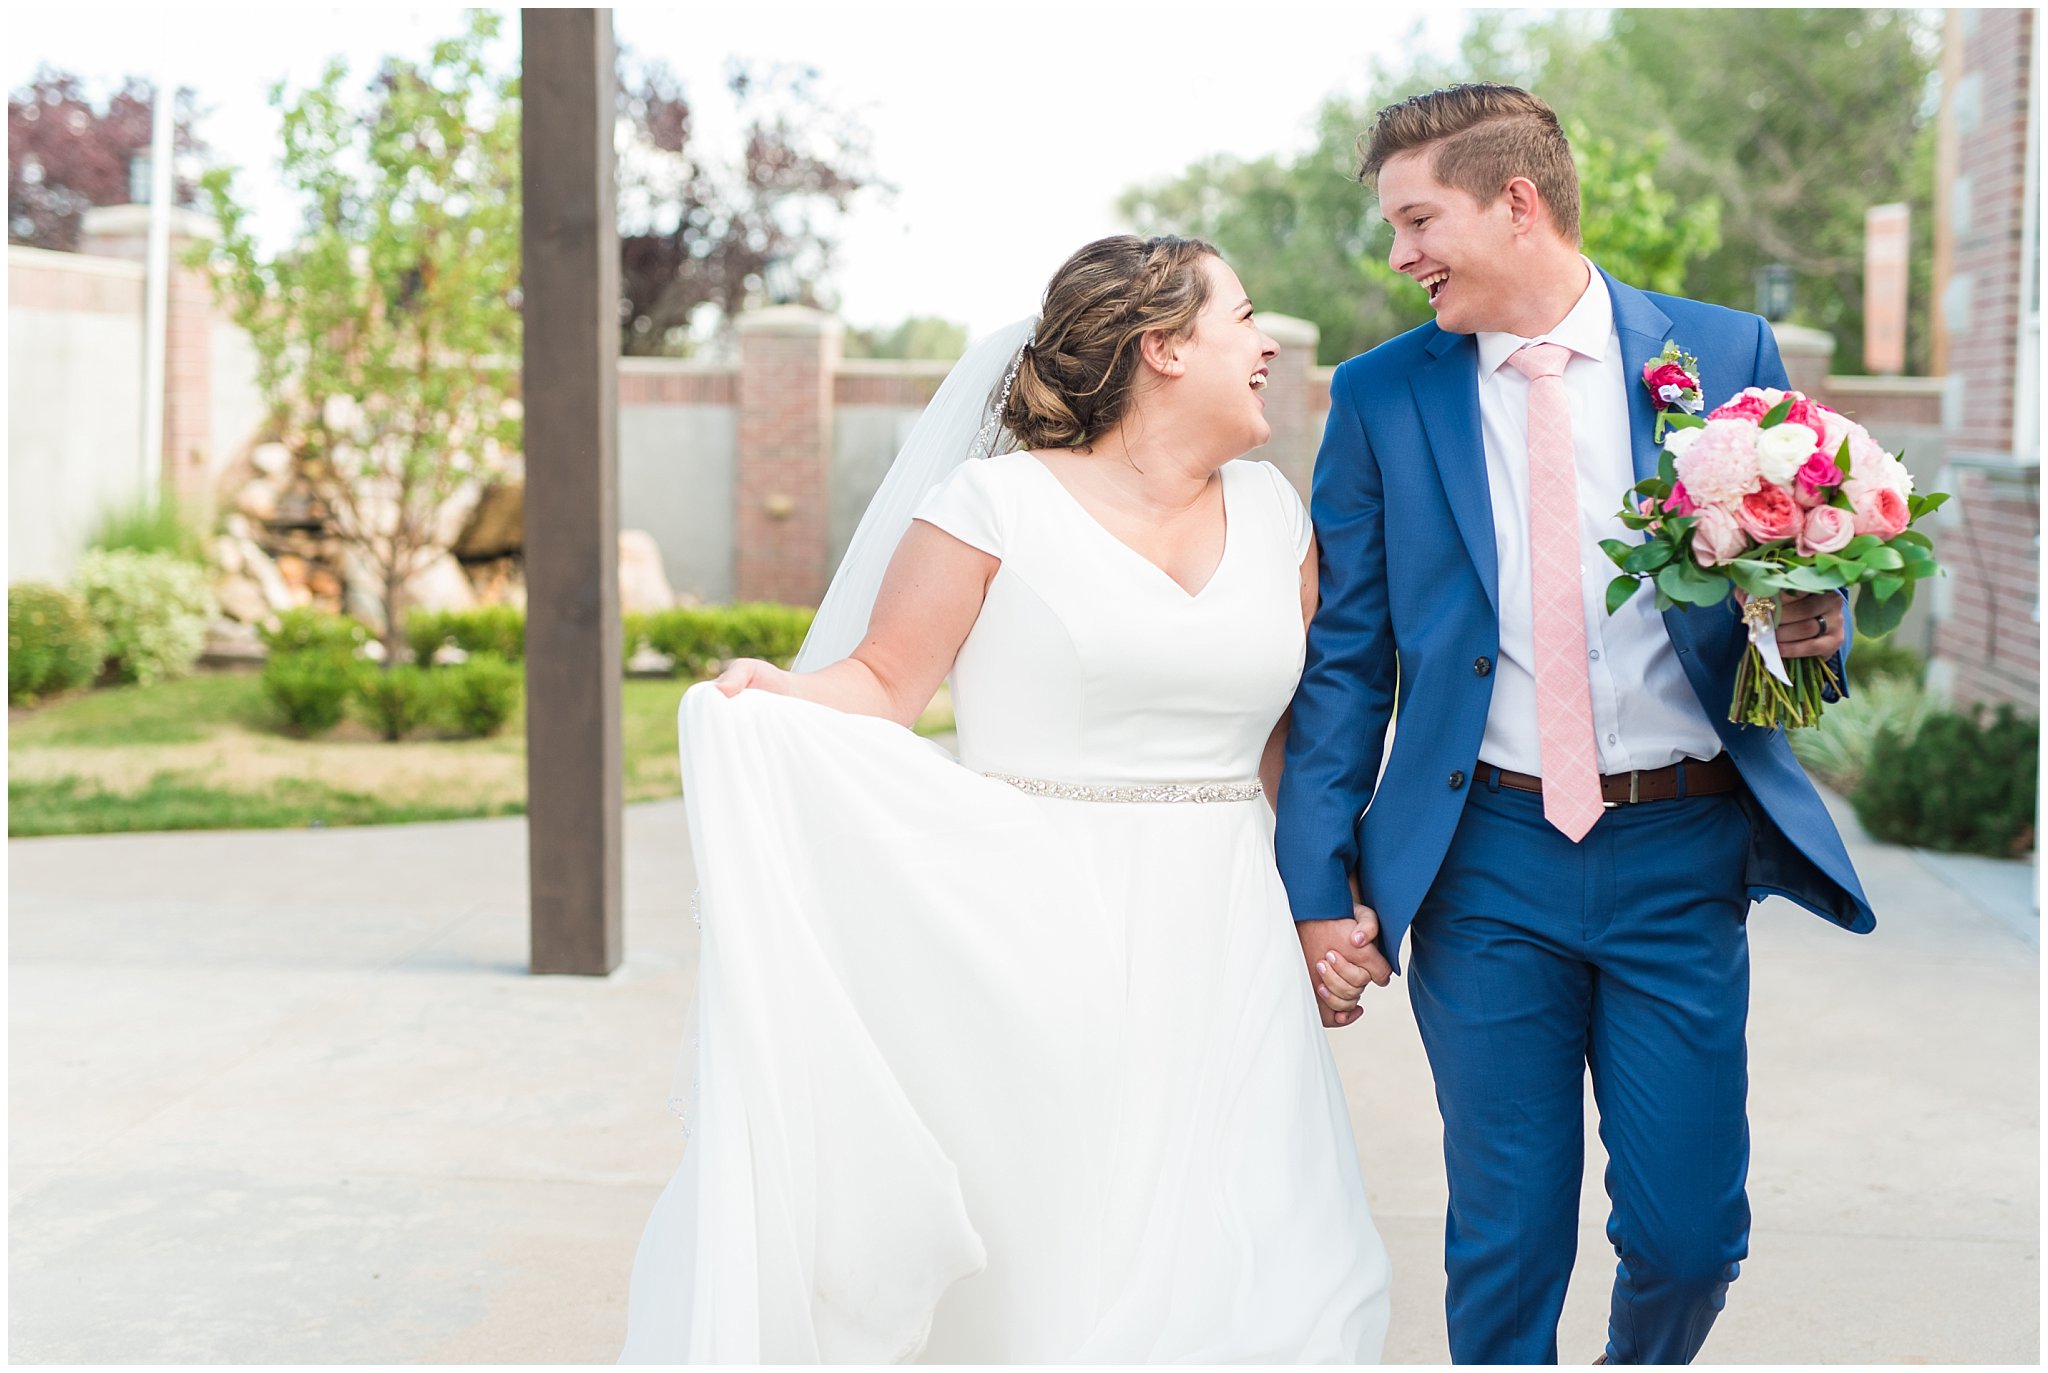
(1811, 624)
(1343, 959)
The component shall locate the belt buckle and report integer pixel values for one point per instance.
(1634, 776)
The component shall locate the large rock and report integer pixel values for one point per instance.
(273, 460)
(259, 499)
(241, 599)
(257, 566)
(497, 525)
(643, 585)
(440, 585)
(455, 513)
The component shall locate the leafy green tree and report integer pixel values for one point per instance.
(1307, 239)
(1798, 120)
(920, 336)
(387, 335)
(1709, 144)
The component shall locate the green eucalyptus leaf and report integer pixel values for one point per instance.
(1619, 590)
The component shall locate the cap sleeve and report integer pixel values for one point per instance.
(1292, 511)
(966, 505)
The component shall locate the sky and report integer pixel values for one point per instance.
(1007, 130)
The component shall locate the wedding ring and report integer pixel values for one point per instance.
(1822, 632)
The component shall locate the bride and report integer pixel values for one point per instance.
(1009, 1057)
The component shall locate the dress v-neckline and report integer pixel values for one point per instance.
(1222, 558)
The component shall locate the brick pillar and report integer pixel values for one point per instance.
(1987, 640)
(784, 486)
(122, 231)
(1292, 403)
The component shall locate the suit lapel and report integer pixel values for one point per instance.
(1447, 396)
(1643, 329)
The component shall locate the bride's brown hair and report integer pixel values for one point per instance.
(1075, 378)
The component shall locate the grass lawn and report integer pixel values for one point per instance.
(202, 753)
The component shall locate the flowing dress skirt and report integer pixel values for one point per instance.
(986, 1076)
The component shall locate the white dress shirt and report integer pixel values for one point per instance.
(1645, 714)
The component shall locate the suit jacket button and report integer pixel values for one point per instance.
(1457, 780)
(1482, 666)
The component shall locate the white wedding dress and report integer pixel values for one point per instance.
(989, 1073)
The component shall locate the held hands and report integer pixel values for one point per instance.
(1342, 958)
(1811, 624)
(742, 673)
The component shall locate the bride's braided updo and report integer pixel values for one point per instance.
(1074, 380)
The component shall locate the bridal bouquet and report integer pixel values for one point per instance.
(1772, 493)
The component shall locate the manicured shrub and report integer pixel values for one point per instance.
(1871, 659)
(478, 696)
(52, 643)
(309, 688)
(396, 700)
(761, 629)
(701, 638)
(499, 629)
(153, 608)
(305, 630)
(1957, 783)
(1837, 750)
(688, 634)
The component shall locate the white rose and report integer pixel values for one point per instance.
(1678, 440)
(1783, 449)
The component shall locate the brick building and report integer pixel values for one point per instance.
(1987, 342)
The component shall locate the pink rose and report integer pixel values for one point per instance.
(1834, 427)
(1750, 405)
(1679, 502)
(1814, 483)
(1658, 375)
(1881, 511)
(1717, 538)
(1805, 412)
(1770, 513)
(1828, 528)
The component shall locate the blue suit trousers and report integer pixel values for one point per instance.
(1536, 960)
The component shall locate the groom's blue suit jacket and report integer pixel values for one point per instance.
(1408, 629)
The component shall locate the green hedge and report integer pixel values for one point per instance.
(309, 688)
(701, 638)
(1958, 783)
(52, 643)
(499, 629)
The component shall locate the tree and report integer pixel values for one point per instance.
(1798, 120)
(387, 336)
(697, 229)
(1307, 239)
(1707, 147)
(67, 154)
(920, 336)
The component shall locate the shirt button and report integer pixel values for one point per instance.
(1482, 666)
(1596, 655)
(1457, 780)
(1612, 740)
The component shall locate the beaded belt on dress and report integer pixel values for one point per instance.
(1132, 792)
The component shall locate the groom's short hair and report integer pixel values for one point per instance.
(1482, 136)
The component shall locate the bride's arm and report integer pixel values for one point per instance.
(930, 598)
(1276, 747)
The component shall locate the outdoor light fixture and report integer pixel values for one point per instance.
(1774, 291)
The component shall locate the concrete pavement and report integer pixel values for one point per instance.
(291, 1096)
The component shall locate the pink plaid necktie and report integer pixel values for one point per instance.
(1564, 701)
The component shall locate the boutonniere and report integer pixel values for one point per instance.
(1673, 377)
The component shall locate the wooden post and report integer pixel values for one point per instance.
(570, 282)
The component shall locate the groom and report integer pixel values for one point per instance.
(1568, 829)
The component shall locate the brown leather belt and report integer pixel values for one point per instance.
(1692, 777)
